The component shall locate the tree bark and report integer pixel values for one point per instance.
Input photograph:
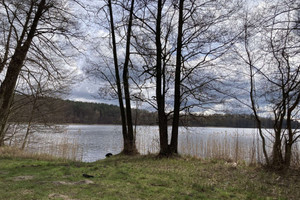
(277, 160)
(162, 118)
(118, 81)
(277, 157)
(131, 148)
(289, 141)
(126, 117)
(288, 153)
(177, 93)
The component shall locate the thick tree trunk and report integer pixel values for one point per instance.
(8, 86)
(288, 154)
(163, 136)
(177, 94)
(162, 118)
(277, 156)
(277, 159)
(131, 140)
(13, 71)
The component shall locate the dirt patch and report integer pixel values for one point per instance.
(3, 172)
(23, 178)
(59, 196)
(83, 182)
(27, 192)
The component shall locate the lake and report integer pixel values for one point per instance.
(89, 143)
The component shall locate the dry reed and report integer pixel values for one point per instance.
(234, 147)
(44, 145)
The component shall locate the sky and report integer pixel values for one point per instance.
(86, 89)
(94, 50)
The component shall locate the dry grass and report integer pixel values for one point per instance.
(45, 146)
(223, 146)
(232, 147)
(229, 147)
(143, 177)
(65, 148)
(12, 152)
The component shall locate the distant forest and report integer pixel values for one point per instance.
(49, 110)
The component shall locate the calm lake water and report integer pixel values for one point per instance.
(91, 142)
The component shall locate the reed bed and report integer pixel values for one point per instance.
(41, 144)
(67, 148)
(230, 147)
(235, 146)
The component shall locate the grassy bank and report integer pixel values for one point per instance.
(140, 177)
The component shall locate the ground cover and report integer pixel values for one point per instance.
(141, 177)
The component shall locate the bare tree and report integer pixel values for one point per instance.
(177, 81)
(33, 32)
(121, 87)
(273, 76)
(182, 38)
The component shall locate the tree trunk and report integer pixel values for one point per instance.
(13, 71)
(289, 141)
(29, 122)
(252, 97)
(177, 94)
(131, 139)
(126, 117)
(3, 129)
(277, 160)
(162, 118)
(288, 154)
(118, 81)
(8, 86)
(163, 136)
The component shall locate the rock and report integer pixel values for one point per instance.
(108, 155)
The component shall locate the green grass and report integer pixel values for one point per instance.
(141, 177)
